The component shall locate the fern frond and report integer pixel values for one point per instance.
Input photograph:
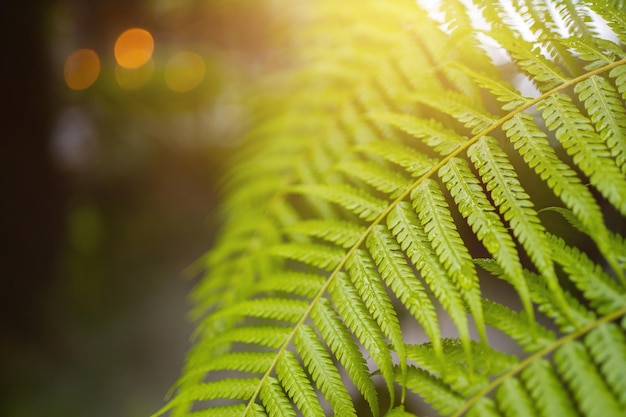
(274, 399)
(583, 379)
(399, 412)
(587, 149)
(607, 346)
(529, 335)
(533, 145)
(339, 232)
(399, 277)
(514, 204)
(381, 178)
(296, 384)
(345, 219)
(466, 111)
(433, 390)
(296, 283)
(352, 199)
(240, 389)
(321, 368)
(607, 112)
(431, 132)
(568, 316)
(547, 391)
(613, 13)
(340, 341)
(358, 319)
(599, 52)
(473, 205)
(435, 217)
(544, 73)
(619, 74)
(577, 18)
(229, 411)
(601, 291)
(412, 161)
(514, 400)
(364, 276)
(413, 240)
(283, 309)
(319, 256)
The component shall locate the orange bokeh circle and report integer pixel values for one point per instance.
(81, 69)
(133, 48)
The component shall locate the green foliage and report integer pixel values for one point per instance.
(392, 175)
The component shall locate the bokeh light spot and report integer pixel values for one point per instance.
(184, 71)
(81, 69)
(133, 48)
(134, 78)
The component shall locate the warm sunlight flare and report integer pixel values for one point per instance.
(81, 69)
(184, 71)
(134, 48)
(134, 78)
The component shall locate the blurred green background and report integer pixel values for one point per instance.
(108, 191)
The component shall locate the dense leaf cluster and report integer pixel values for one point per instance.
(393, 174)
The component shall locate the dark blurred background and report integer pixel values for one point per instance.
(108, 181)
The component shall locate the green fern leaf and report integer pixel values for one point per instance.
(381, 178)
(412, 161)
(599, 52)
(431, 132)
(607, 346)
(320, 256)
(267, 336)
(590, 391)
(613, 13)
(466, 111)
(249, 362)
(413, 240)
(358, 319)
(514, 400)
(607, 112)
(588, 151)
(284, 309)
(228, 411)
(529, 335)
(345, 217)
(473, 205)
(602, 292)
(364, 276)
(340, 232)
(514, 204)
(296, 384)
(274, 399)
(547, 391)
(399, 277)
(434, 214)
(296, 283)
(619, 74)
(399, 412)
(533, 145)
(320, 366)
(352, 199)
(339, 339)
(429, 387)
(240, 389)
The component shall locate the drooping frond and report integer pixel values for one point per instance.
(407, 220)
